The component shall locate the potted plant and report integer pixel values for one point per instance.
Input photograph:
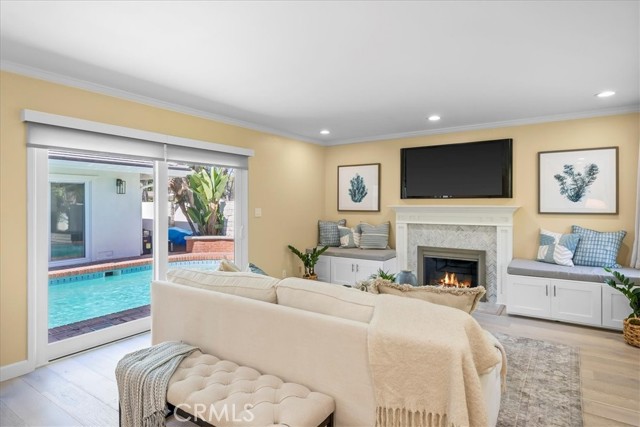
(381, 274)
(631, 328)
(309, 259)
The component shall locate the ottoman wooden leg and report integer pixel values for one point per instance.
(328, 422)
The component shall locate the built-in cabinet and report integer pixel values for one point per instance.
(588, 303)
(615, 307)
(348, 271)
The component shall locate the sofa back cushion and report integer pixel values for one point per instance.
(326, 298)
(244, 284)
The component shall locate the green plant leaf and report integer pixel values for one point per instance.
(627, 288)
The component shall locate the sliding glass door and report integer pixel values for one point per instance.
(106, 242)
(103, 223)
(99, 271)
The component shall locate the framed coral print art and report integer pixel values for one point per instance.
(359, 188)
(578, 181)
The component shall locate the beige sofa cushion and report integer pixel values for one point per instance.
(326, 298)
(244, 284)
(465, 299)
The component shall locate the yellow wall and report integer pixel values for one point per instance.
(285, 179)
(293, 182)
(621, 131)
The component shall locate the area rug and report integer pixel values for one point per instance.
(543, 384)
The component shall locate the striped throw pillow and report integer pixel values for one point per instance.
(557, 248)
(597, 249)
(374, 237)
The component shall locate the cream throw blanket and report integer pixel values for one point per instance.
(425, 363)
(143, 377)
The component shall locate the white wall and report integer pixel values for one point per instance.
(114, 225)
(116, 218)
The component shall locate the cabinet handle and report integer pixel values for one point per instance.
(357, 268)
(352, 268)
(554, 290)
(546, 290)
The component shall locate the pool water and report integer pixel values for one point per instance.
(81, 298)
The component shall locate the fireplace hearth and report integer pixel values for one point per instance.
(451, 267)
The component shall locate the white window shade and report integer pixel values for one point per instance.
(52, 131)
(190, 155)
(60, 138)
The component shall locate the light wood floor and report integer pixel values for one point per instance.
(81, 390)
(609, 368)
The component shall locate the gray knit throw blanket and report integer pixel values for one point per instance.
(143, 378)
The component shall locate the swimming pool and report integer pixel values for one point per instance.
(77, 298)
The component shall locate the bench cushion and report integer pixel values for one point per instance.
(218, 387)
(526, 267)
(356, 253)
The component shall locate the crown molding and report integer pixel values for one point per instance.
(40, 74)
(493, 125)
(52, 77)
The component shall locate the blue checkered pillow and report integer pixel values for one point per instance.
(597, 249)
(557, 248)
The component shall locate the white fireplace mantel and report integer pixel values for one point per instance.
(500, 217)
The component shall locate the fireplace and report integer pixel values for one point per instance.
(481, 227)
(451, 267)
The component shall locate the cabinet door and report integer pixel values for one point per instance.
(615, 307)
(366, 268)
(579, 302)
(343, 271)
(528, 296)
(323, 269)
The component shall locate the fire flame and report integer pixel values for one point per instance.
(450, 279)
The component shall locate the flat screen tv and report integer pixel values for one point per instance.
(468, 170)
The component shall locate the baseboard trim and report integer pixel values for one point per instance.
(17, 369)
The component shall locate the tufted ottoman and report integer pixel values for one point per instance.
(220, 393)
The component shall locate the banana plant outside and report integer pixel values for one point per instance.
(200, 197)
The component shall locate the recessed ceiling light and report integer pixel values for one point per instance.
(325, 132)
(434, 118)
(605, 94)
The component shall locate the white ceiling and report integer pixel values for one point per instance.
(364, 70)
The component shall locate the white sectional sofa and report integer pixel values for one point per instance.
(311, 333)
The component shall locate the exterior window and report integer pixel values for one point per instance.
(67, 221)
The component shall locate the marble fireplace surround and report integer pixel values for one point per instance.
(481, 227)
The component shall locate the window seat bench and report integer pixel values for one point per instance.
(344, 266)
(570, 294)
